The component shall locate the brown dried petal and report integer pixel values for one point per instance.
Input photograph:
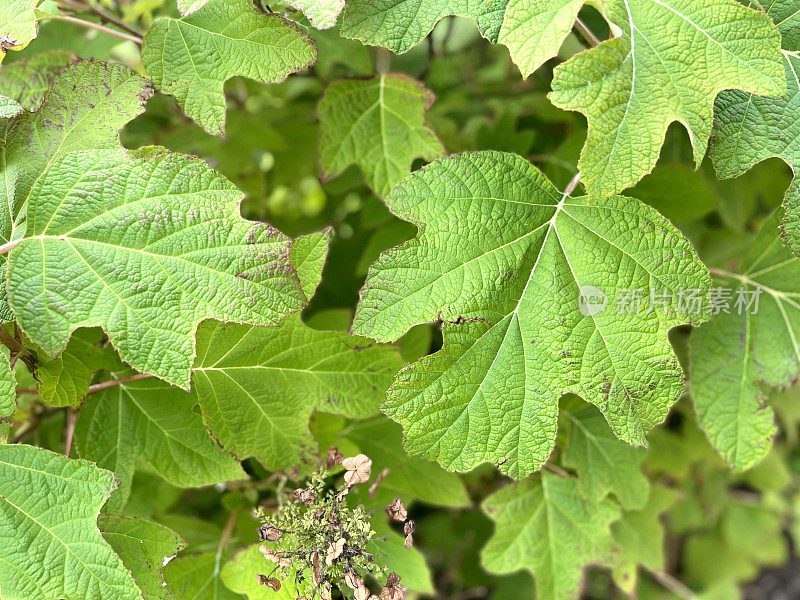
(269, 533)
(353, 581)
(334, 551)
(275, 557)
(393, 579)
(333, 458)
(409, 527)
(397, 510)
(358, 468)
(409, 543)
(362, 593)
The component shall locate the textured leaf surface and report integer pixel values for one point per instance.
(749, 129)
(545, 526)
(258, 386)
(17, 24)
(322, 14)
(735, 355)
(8, 396)
(27, 80)
(669, 63)
(239, 575)
(143, 547)
(187, 7)
(146, 248)
(9, 107)
(534, 30)
(64, 380)
(51, 545)
(88, 104)
(308, 256)
(378, 124)
(192, 58)
(401, 24)
(604, 464)
(500, 257)
(197, 577)
(149, 420)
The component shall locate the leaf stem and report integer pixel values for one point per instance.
(383, 59)
(673, 585)
(124, 36)
(107, 384)
(586, 33)
(70, 430)
(9, 246)
(104, 15)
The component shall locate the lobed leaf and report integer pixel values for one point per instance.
(17, 24)
(667, 62)
(503, 258)
(192, 58)
(322, 14)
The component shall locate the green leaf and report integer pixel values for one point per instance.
(308, 256)
(501, 257)
(8, 396)
(534, 30)
(668, 62)
(17, 24)
(149, 420)
(196, 577)
(64, 380)
(409, 477)
(401, 24)
(51, 545)
(143, 547)
(240, 575)
(9, 107)
(258, 386)
(378, 124)
(604, 464)
(639, 535)
(27, 80)
(88, 103)
(545, 526)
(749, 129)
(187, 7)
(322, 14)
(145, 246)
(192, 58)
(738, 352)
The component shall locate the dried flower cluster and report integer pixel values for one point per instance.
(317, 542)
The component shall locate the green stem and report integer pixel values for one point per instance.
(123, 36)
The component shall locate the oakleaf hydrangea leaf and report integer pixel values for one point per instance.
(534, 30)
(738, 353)
(668, 62)
(239, 575)
(545, 526)
(51, 545)
(192, 58)
(88, 103)
(258, 386)
(401, 24)
(503, 257)
(64, 380)
(749, 129)
(604, 464)
(27, 80)
(322, 14)
(8, 396)
(379, 124)
(197, 577)
(308, 256)
(149, 420)
(145, 246)
(187, 7)
(143, 547)
(17, 24)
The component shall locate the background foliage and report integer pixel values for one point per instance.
(211, 280)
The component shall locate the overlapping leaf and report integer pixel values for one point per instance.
(145, 246)
(27, 80)
(8, 396)
(604, 464)
(668, 62)
(258, 386)
(738, 353)
(149, 420)
(51, 545)
(749, 129)
(322, 14)
(379, 124)
(17, 24)
(192, 58)
(197, 577)
(545, 526)
(401, 24)
(143, 547)
(502, 257)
